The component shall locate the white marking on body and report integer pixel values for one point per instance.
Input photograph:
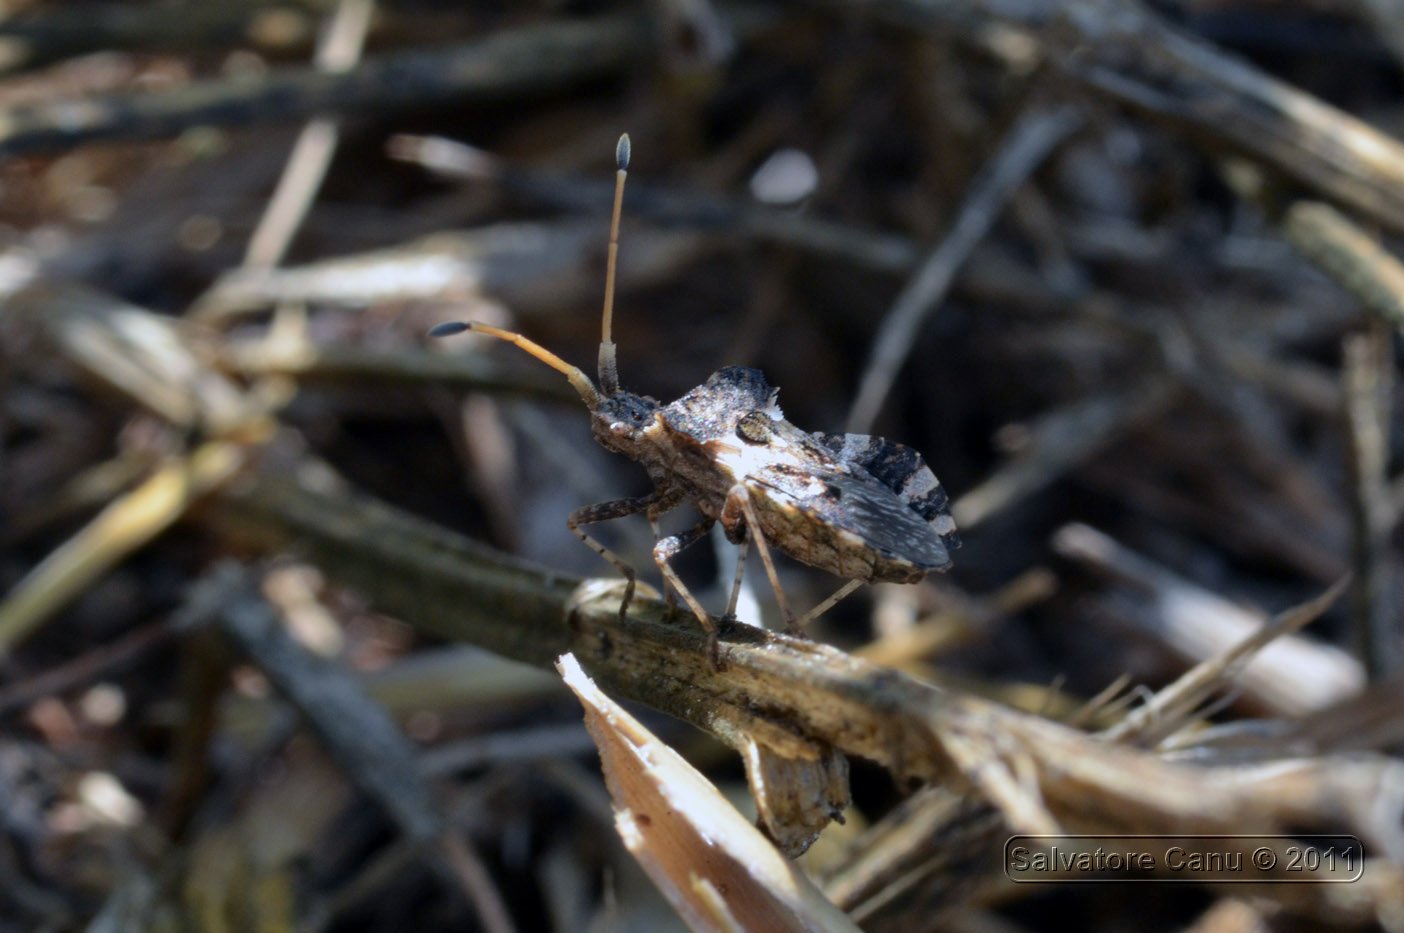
(919, 484)
(750, 459)
(943, 524)
(850, 538)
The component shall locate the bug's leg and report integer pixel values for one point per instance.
(738, 505)
(742, 549)
(670, 595)
(604, 512)
(665, 500)
(668, 548)
(826, 605)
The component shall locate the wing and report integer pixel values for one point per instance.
(858, 508)
(852, 519)
(902, 470)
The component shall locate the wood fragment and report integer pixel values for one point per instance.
(139, 353)
(83, 669)
(1368, 386)
(822, 236)
(1058, 442)
(1037, 133)
(1167, 710)
(714, 867)
(338, 52)
(126, 524)
(967, 619)
(370, 747)
(1291, 676)
(498, 67)
(1125, 52)
(523, 265)
(1348, 255)
(778, 685)
(38, 36)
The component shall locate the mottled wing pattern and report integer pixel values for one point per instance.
(823, 485)
(902, 470)
(710, 411)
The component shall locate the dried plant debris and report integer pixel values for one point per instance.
(284, 584)
(712, 864)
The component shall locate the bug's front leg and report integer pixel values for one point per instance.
(663, 553)
(608, 511)
(670, 595)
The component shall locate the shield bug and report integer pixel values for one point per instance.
(862, 508)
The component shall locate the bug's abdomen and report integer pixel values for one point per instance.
(902, 470)
(788, 529)
(843, 536)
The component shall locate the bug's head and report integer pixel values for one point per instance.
(626, 422)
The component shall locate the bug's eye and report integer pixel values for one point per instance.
(754, 427)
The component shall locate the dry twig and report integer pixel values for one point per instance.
(1028, 143)
(795, 697)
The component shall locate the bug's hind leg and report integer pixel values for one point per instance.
(826, 605)
(738, 507)
(608, 511)
(742, 549)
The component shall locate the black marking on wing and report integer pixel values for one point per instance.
(863, 507)
(902, 470)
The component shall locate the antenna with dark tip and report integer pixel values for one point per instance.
(578, 380)
(609, 367)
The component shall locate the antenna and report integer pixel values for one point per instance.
(578, 380)
(609, 367)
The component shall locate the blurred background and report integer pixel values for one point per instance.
(1120, 271)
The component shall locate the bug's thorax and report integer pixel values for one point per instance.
(718, 407)
(727, 415)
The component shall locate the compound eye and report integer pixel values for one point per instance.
(754, 427)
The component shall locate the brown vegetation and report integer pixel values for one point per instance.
(288, 595)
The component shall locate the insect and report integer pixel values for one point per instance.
(863, 508)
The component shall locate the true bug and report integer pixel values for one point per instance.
(862, 508)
